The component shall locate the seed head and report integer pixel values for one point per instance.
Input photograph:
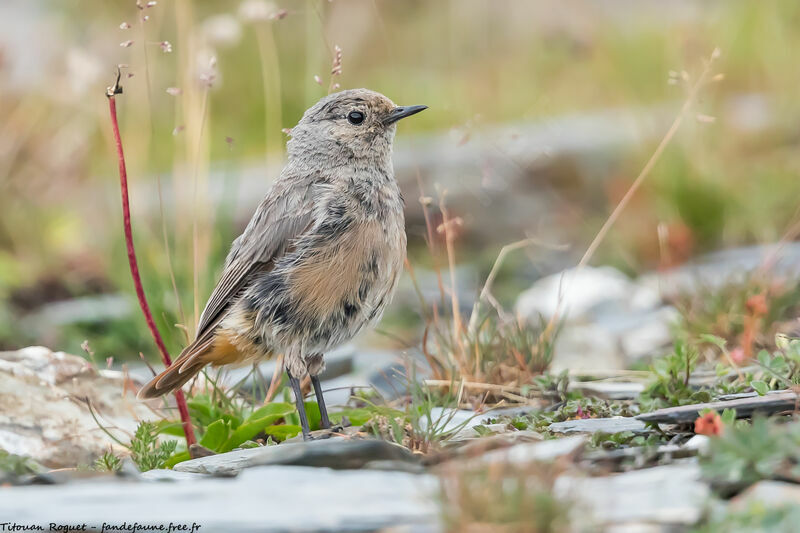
(336, 66)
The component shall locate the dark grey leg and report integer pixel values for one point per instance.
(325, 423)
(301, 408)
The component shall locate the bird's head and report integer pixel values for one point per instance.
(352, 126)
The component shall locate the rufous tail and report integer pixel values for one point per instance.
(191, 361)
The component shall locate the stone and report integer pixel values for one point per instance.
(264, 498)
(585, 349)
(610, 390)
(670, 495)
(699, 443)
(650, 335)
(716, 269)
(171, 475)
(593, 425)
(638, 455)
(745, 407)
(339, 453)
(44, 417)
(544, 451)
(582, 290)
(371, 368)
(767, 494)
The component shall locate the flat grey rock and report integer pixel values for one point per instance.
(170, 475)
(768, 494)
(336, 453)
(716, 269)
(593, 425)
(610, 390)
(264, 499)
(745, 407)
(670, 494)
(544, 451)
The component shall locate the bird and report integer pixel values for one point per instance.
(320, 258)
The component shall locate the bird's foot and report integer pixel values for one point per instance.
(323, 434)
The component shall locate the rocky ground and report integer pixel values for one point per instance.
(595, 458)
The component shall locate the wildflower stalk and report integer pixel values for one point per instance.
(691, 97)
(111, 92)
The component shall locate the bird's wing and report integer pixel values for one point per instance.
(284, 215)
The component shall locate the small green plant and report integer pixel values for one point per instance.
(13, 466)
(670, 385)
(431, 417)
(625, 439)
(146, 451)
(577, 406)
(227, 433)
(108, 462)
(425, 424)
(781, 368)
(746, 453)
(227, 424)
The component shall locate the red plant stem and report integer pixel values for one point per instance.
(137, 280)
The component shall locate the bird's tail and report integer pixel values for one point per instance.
(185, 367)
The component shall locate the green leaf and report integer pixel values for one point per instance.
(779, 364)
(713, 339)
(359, 416)
(482, 430)
(201, 410)
(232, 420)
(216, 434)
(177, 458)
(259, 419)
(283, 431)
(313, 414)
(760, 387)
(274, 408)
(728, 416)
(248, 430)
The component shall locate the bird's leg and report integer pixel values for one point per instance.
(325, 422)
(301, 407)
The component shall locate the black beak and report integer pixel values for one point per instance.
(403, 112)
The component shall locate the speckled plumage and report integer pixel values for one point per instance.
(321, 257)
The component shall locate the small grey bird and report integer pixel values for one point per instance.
(321, 257)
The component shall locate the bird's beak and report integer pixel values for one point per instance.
(403, 112)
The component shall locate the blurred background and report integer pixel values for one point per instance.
(541, 116)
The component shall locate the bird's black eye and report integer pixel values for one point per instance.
(355, 117)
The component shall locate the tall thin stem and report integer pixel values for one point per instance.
(691, 96)
(111, 92)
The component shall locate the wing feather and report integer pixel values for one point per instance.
(283, 216)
